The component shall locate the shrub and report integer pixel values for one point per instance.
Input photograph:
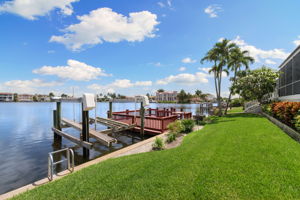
(171, 137)
(297, 122)
(158, 144)
(285, 111)
(267, 108)
(215, 111)
(188, 125)
(200, 123)
(210, 119)
(176, 127)
(237, 102)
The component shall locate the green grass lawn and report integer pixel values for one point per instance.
(236, 110)
(240, 156)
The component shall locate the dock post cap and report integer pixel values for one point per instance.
(88, 101)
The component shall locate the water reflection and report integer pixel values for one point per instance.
(26, 138)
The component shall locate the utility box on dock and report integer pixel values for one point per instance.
(142, 98)
(88, 101)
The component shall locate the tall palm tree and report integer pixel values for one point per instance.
(237, 60)
(219, 55)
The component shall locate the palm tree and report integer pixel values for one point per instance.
(237, 60)
(219, 55)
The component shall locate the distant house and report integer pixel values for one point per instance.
(166, 96)
(43, 97)
(6, 97)
(25, 97)
(210, 97)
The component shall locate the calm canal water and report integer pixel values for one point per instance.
(26, 138)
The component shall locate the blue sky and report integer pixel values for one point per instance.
(134, 46)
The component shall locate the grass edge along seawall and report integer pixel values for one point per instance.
(239, 156)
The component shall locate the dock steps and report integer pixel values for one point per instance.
(100, 136)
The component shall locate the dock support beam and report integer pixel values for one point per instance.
(85, 132)
(142, 114)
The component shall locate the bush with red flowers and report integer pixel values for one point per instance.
(286, 111)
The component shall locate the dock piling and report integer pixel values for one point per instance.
(110, 110)
(85, 131)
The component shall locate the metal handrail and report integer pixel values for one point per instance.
(51, 163)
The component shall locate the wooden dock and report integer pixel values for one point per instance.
(156, 121)
(100, 136)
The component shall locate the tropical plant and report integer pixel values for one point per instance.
(160, 90)
(158, 144)
(171, 137)
(188, 125)
(237, 60)
(176, 127)
(219, 55)
(255, 84)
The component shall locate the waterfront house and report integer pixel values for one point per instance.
(166, 96)
(6, 97)
(25, 97)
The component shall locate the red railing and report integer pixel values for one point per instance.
(155, 119)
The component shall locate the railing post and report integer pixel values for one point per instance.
(142, 114)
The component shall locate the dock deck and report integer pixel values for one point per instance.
(156, 120)
(101, 137)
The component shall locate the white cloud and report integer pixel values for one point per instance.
(188, 60)
(27, 86)
(260, 54)
(184, 79)
(167, 3)
(297, 42)
(143, 83)
(182, 69)
(74, 70)
(161, 4)
(205, 69)
(103, 24)
(158, 64)
(119, 84)
(213, 10)
(31, 9)
(270, 62)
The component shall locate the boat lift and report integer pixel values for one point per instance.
(88, 102)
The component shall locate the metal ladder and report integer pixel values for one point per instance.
(69, 160)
